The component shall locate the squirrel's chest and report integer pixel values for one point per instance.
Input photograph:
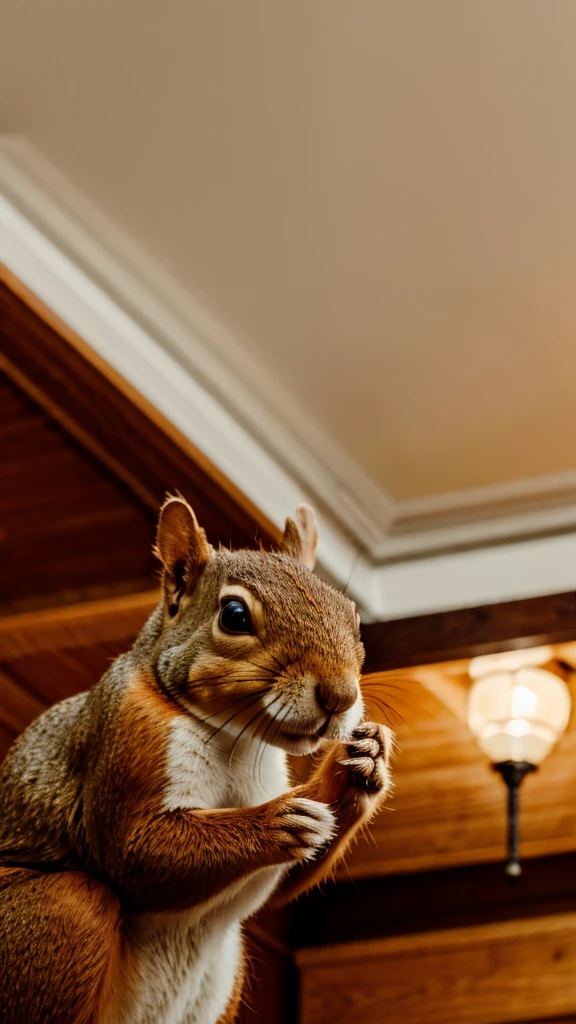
(185, 963)
(203, 771)
(183, 970)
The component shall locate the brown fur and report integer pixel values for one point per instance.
(85, 837)
(60, 935)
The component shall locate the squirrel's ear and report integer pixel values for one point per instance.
(301, 536)
(182, 547)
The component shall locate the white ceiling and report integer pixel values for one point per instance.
(379, 199)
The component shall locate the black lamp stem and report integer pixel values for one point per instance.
(513, 773)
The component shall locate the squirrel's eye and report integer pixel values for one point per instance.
(235, 617)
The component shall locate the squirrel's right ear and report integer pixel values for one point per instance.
(183, 549)
(301, 536)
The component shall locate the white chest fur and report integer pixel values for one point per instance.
(185, 963)
(205, 770)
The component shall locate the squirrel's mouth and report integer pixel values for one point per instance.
(308, 734)
(304, 740)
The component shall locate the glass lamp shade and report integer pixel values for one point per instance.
(518, 714)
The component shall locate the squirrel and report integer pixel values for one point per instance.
(143, 821)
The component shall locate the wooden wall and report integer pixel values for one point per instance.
(501, 972)
(390, 947)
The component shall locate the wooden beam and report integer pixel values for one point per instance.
(442, 939)
(506, 971)
(77, 625)
(365, 908)
(108, 417)
(467, 632)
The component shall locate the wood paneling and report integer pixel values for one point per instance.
(116, 424)
(491, 974)
(56, 675)
(467, 632)
(448, 807)
(349, 911)
(67, 527)
(30, 684)
(84, 624)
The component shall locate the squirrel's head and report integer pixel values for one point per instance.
(253, 642)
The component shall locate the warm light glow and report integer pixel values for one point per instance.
(516, 711)
(524, 701)
(518, 727)
(509, 661)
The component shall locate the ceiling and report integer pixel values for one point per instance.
(377, 198)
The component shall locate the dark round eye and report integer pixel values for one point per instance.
(235, 617)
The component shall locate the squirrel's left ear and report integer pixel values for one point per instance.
(183, 549)
(301, 536)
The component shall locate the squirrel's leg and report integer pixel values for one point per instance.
(60, 947)
(354, 778)
(181, 858)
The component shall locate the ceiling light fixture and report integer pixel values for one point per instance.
(517, 711)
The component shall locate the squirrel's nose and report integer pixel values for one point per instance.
(337, 696)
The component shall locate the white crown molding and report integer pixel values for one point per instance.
(204, 346)
(465, 579)
(211, 386)
(480, 515)
(431, 535)
(74, 276)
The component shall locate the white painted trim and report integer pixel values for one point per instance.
(491, 495)
(210, 385)
(431, 538)
(465, 579)
(204, 347)
(80, 301)
(480, 515)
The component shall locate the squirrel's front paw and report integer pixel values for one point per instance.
(368, 758)
(303, 827)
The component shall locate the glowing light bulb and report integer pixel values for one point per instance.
(518, 714)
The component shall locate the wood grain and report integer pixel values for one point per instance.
(66, 524)
(114, 422)
(358, 909)
(467, 632)
(32, 682)
(84, 624)
(503, 972)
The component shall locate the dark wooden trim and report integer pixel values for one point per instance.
(381, 907)
(79, 624)
(107, 416)
(467, 632)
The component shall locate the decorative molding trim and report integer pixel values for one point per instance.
(178, 323)
(166, 360)
(480, 515)
(213, 389)
(481, 576)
